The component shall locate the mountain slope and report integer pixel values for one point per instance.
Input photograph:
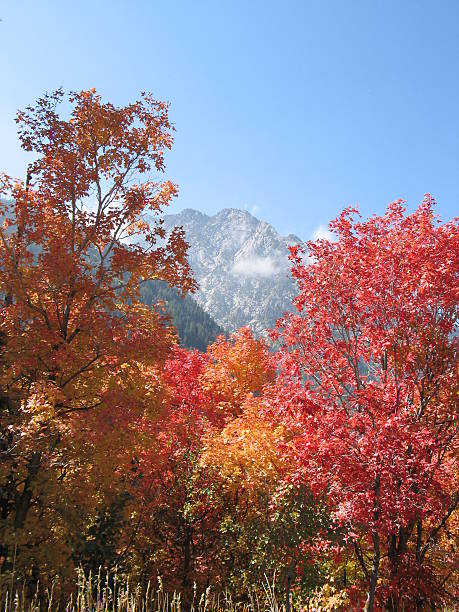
(195, 327)
(241, 265)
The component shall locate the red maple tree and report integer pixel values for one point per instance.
(369, 388)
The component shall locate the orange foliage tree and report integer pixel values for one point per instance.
(77, 347)
(264, 522)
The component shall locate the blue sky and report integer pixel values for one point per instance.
(292, 110)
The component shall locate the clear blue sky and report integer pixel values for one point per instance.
(291, 109)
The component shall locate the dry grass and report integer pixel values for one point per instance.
(112, 594)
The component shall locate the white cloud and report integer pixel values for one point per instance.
(255, 266)
(253, 209)
(322, 233)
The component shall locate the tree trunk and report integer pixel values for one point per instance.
(369, 605)
(187, 563)
(23, 500)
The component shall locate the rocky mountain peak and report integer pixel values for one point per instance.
(241, 264)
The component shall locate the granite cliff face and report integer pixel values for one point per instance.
(241, 265)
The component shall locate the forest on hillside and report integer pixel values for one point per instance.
(322, 458)
(195, 327)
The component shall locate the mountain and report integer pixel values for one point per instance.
(241, 265)
(196, 328)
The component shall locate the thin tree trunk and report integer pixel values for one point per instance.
(24, 499)
(369, 605)
(187, 562)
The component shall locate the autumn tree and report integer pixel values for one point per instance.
(267, 521)
(264, 521)
(78, 347)
(173, 513)
(368, 389)
(181, 504)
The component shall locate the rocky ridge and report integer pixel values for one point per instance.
(241, 265)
